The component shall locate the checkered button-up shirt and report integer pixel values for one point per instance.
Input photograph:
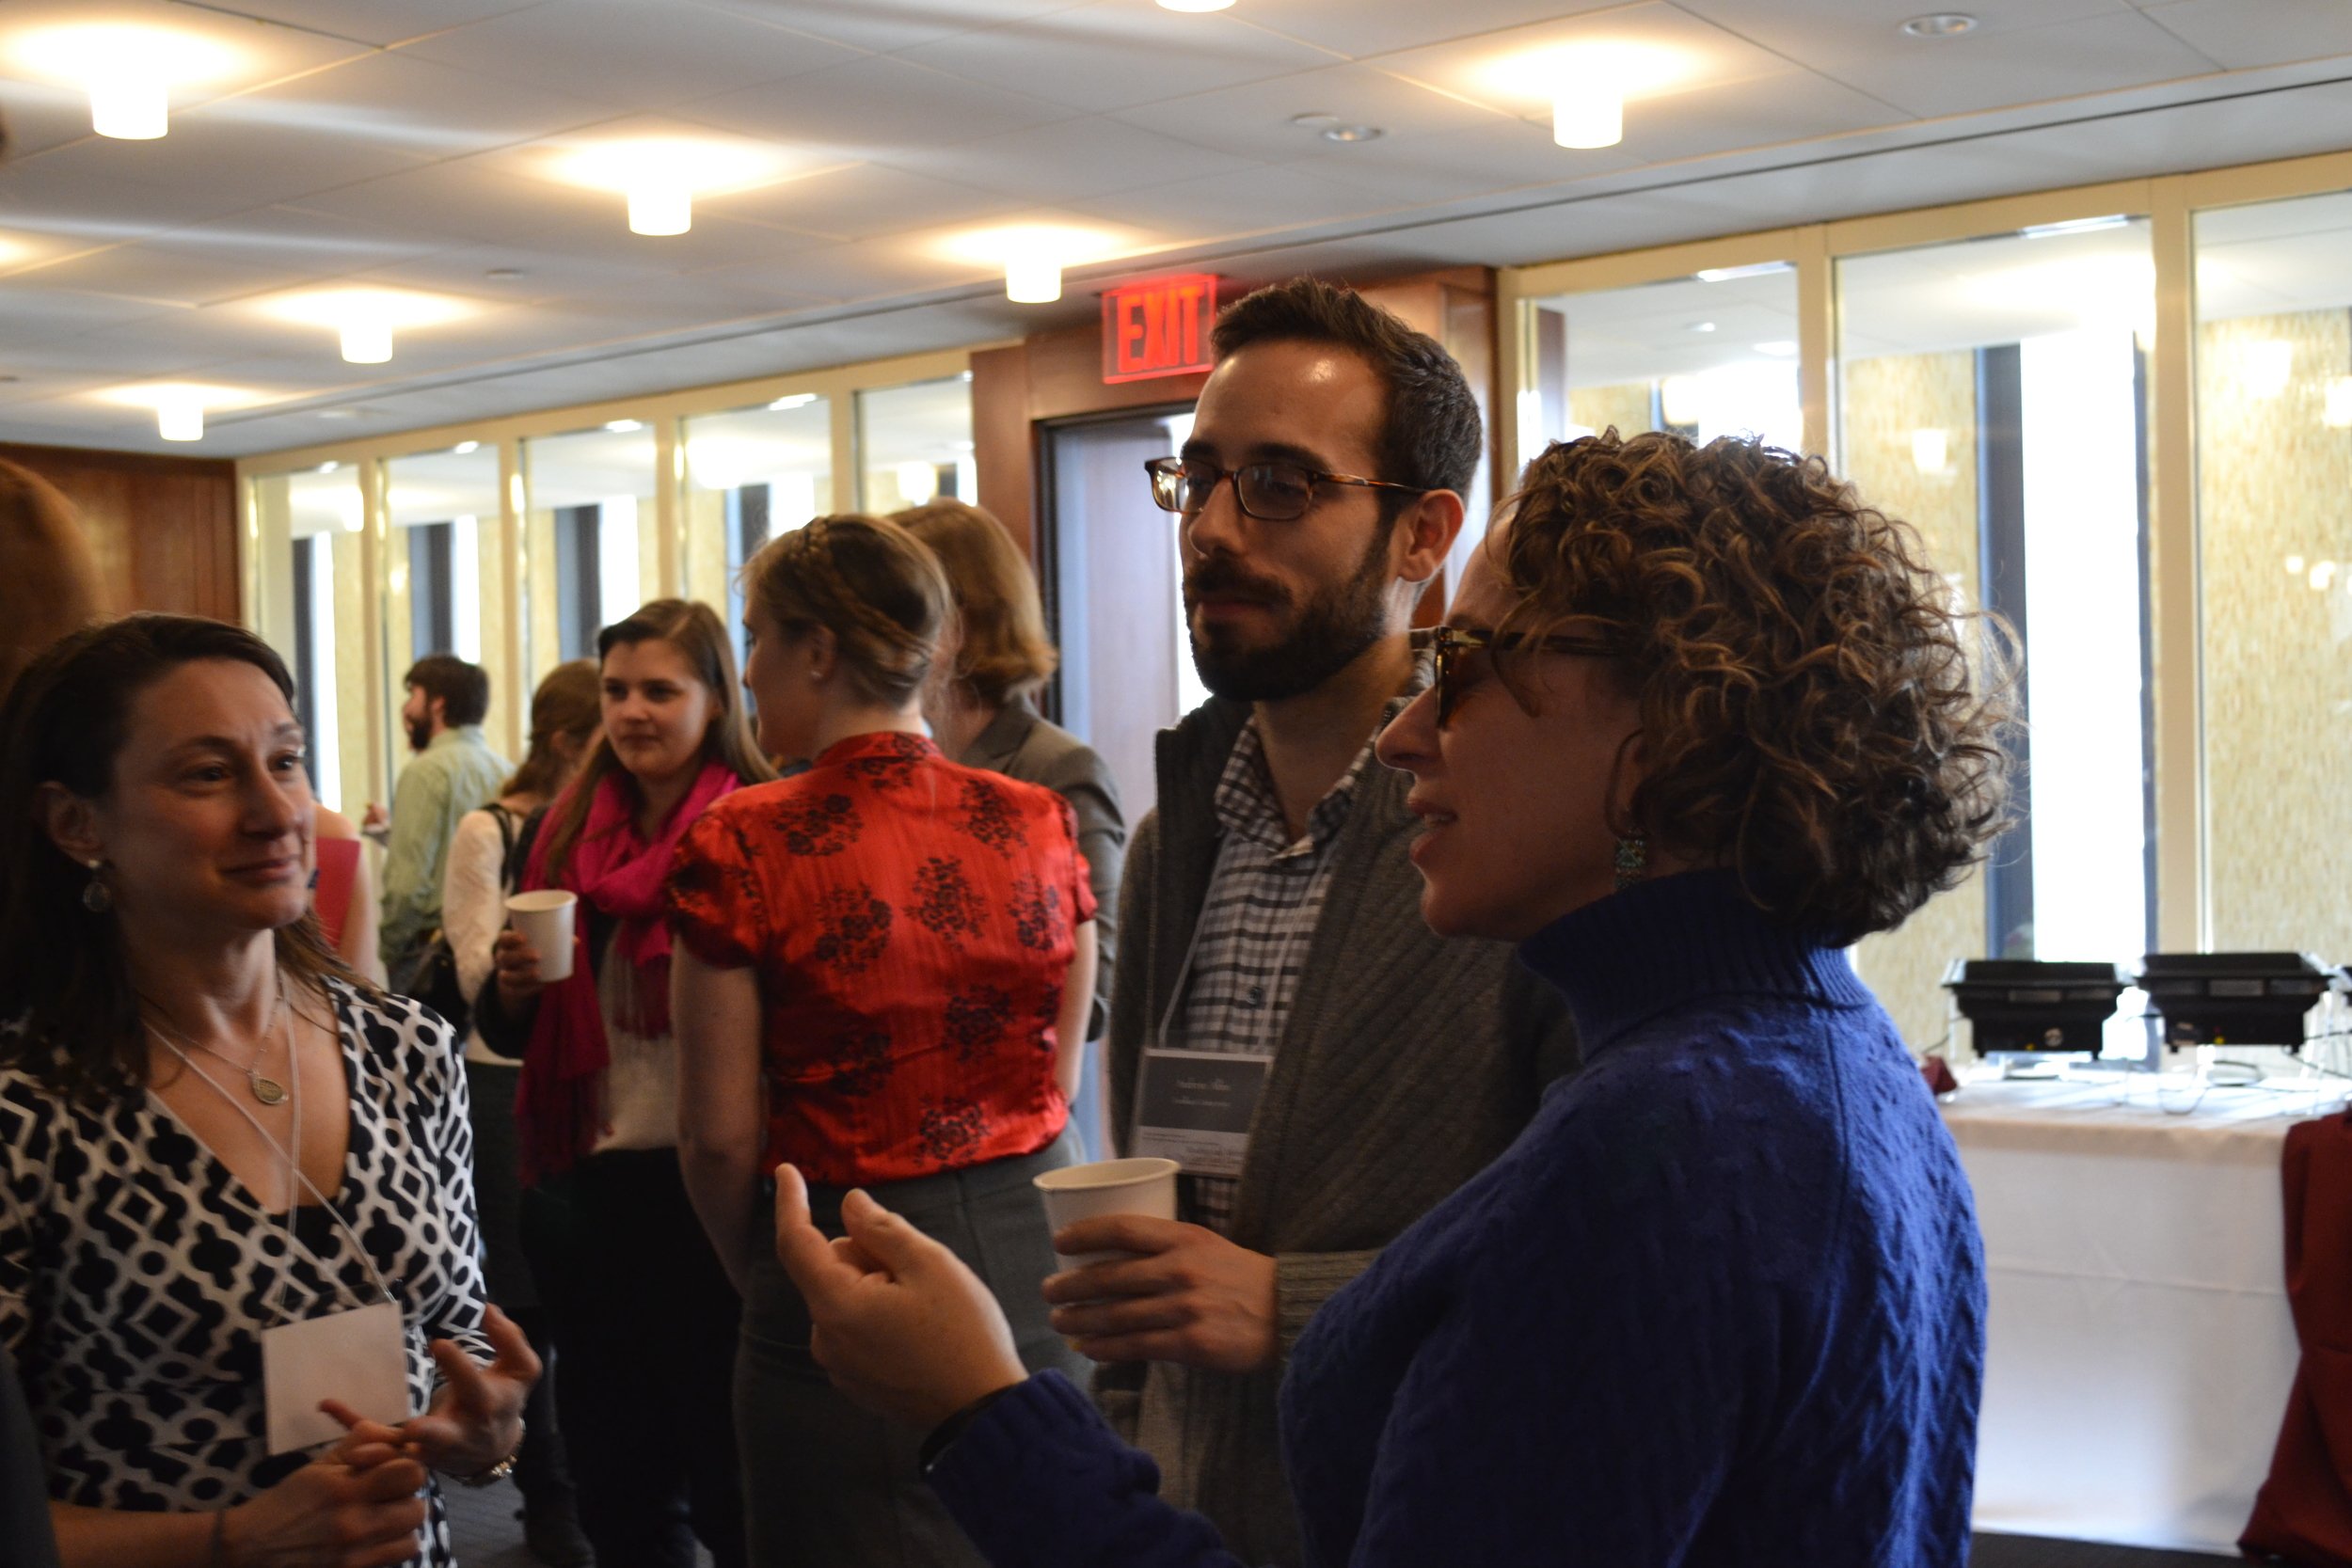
(1265, 894)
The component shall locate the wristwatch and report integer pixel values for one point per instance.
(498, 1471)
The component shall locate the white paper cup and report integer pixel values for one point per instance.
(545, 919)
(1074, 1193)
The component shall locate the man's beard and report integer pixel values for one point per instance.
(1334, 627)
(420, 733)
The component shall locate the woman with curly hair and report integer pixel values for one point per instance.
(1701, 719)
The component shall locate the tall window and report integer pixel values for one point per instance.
(1706, 355)
(1993, 393)
(2274, 468)
(320, 513)
(589, 541)
(751, 474)
(445, 579)
(915, 443)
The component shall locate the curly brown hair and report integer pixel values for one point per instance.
(1810, 713)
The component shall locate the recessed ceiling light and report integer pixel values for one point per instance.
(1940, 25)
(178, 405)
(464, 448)
(1702, 326)
(1353, 132)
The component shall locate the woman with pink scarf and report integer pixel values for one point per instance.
(619, 1255)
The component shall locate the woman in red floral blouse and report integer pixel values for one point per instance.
(883, 973)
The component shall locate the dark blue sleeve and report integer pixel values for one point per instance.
(1039, 1480)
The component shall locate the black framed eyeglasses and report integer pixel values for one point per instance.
(1452, 646)
(1270, 492)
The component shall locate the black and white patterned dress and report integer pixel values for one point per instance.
(136, 1273)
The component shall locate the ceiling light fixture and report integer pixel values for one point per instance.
(364, 319)
(1702, 326)
(660, 175)
(465, 448)
(1032, 256)
(179, 406)
(1939, 24)
(1353, 132)
(624, 427)
(127, 70)
(1588, 110)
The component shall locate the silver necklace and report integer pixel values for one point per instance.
(268, 1090)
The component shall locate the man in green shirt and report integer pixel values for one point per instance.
(454, 772)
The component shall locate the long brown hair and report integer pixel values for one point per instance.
(569, 702)
(696, 631)
(1004, 652)
(65, 978)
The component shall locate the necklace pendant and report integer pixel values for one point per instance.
(269, 1091)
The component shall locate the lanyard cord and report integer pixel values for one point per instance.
(294, 1165)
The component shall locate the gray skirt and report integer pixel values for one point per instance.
(825, 1482)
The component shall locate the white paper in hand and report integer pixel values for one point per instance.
(359, 1358)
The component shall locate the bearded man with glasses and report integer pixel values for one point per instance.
(1283, 1023)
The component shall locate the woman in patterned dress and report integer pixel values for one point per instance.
(209, 1129)
(884, 973)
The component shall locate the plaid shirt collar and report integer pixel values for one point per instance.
(1249, 808)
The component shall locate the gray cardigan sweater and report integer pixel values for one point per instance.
(1408, 1062)
(1022, 744)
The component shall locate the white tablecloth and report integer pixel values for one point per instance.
(2139, 1348)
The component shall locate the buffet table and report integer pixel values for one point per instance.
(2139, 1348)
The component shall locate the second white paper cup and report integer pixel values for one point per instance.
(1074, 1193)
(545, 919)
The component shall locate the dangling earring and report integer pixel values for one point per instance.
(96, 897)
(1632, 859)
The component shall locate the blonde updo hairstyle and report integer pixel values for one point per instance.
(870, 583)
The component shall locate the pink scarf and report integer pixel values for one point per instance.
(614, 870)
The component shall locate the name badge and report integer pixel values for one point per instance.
(1194, 1107)
(359, 1358)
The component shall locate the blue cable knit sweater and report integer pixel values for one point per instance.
(1722, 1303)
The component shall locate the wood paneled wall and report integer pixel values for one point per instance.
(163, 529)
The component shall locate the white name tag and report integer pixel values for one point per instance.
(359, 1358)
(1194, 1107)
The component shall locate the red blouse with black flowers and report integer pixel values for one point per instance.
(912, 922)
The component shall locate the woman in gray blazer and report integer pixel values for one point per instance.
(985, 716)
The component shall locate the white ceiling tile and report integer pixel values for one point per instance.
(32, 316)
(2240, 34)
(394, 103)
(871, 108)
(1493, 68)
(866, 200)
(41, 115)
(1838, 37)
(888, 24)
(173, 344)
(268, 248)
(1995, 67)
(1117, 53)
(1255, 122)
(1249, 202)
(1506, 154)
(378, 22)
(866, 269)
(1761, 111)
(1072, 159)
(1371, 28)
(673, 52)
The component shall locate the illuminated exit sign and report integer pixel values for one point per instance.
(1158, 327)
